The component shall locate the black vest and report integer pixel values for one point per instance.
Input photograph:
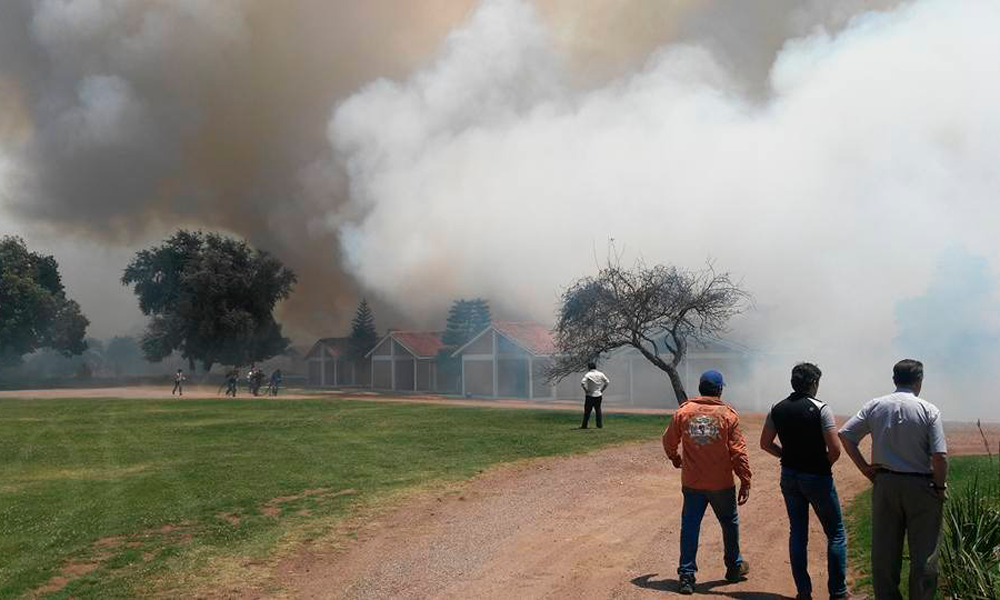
(800, 429)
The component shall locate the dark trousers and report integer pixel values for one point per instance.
(592, 403)
(178, 386)
(905, 506)
(802, 490)
(723, 504)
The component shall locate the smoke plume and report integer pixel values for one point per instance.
(124, 119)
(833, 189)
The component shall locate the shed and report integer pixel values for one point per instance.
(406, 361)
(508, 359)
(331, 365)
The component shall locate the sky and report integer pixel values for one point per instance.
(838, 159)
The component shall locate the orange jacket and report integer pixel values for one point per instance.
(713, 445)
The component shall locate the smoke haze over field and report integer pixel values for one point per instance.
(841, 160)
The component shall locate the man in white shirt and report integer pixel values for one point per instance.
(594, 383)
(909, 469)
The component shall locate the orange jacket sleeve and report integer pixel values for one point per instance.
(738, 450)
(672, 438)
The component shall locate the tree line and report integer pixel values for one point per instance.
(210, 299)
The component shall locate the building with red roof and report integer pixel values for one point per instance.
(508, 359)
(406, 361)
(331, 365)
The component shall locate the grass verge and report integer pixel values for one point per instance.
(108, 498)
(966, 478)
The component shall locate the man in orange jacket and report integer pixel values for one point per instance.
(713, 449)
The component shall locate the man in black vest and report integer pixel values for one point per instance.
(809, 447)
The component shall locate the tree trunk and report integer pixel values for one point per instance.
(677, 384)
(670, 368)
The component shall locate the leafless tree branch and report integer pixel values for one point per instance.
(648, 308)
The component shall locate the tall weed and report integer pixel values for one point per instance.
(970, 554)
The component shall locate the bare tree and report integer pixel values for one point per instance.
(655, 310)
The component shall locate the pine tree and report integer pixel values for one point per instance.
(456, 330)
(363, 334)
(480, 317)
(466, 319)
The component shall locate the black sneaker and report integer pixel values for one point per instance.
(738, 573)
(687, 585)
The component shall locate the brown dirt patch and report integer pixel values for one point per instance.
(67, 574)
(275, 506)
(231, 518)
(104, 549)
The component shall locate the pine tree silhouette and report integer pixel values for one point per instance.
(363, 334)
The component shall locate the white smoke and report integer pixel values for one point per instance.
(874, 148)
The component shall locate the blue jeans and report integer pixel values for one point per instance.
(724, 506)
(802, 490)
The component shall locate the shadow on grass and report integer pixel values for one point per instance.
(707, 588)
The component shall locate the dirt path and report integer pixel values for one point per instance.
(604, 525)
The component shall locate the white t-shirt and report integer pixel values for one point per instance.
(594, 382)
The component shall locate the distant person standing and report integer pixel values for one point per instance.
(593, 383)
(275, 382)
(178, 382)
(909, 469)
(250, 376)
(713, 448)
(809, 447)
(258, 380)
(232, 381)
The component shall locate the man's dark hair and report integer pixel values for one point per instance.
(706, 388)
(908, 372)
(591, 365)
(804, 375)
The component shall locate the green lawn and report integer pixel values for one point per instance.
(962, 472)
(116, 496)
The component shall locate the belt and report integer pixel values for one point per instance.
(883, 470)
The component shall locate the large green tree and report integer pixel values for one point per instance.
(34, 310)
(363, 333)
(211, 298)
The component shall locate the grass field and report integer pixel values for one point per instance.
(108, 498)
(963, 471)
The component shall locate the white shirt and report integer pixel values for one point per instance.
(594, 382)
(906, 431)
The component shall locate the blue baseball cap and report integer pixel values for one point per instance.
(713, 377)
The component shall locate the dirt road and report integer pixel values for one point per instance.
(603, 525)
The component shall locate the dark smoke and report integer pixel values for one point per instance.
(126, 119)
